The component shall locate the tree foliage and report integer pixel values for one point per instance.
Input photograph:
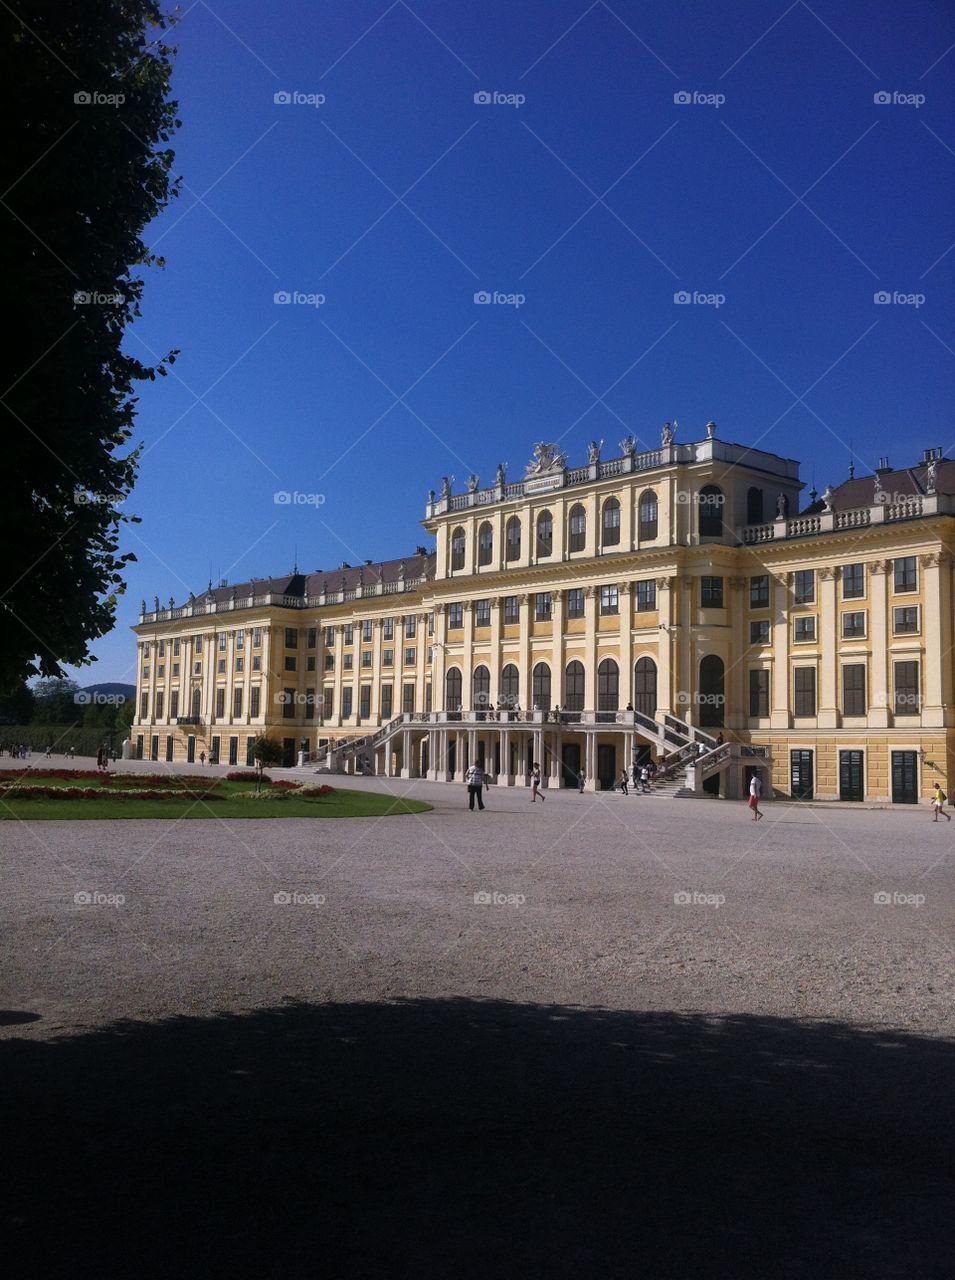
(85, 167)
(267, 750)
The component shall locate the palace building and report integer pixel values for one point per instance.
(680, 604)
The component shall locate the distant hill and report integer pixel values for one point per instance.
(111, 689)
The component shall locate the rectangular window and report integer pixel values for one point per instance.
(387, 694)
(512, 609)
(542, 606)
(346, 702)
(161, 670)
(327, 703)
(759, 632)
(366, 658)
(145, 673)
(256, 662)
(482, 613)
(240, 639)
(387, 657)
(198, 645)
(220, 665)
(310, 662)
(575, 602)
(804, 629)
(159, 704)
(174, 705)
(853, 689)
(409, 657)
(220, 702)
(907, 699)
(255, 700)
(348, 633)
(411, 626)
(175, 668)
(329, 661)
(236, 704)
(311, 637)
(197, 669)
(804, 586)
(290, 663)
(609, 600)
(647, 595)
(759, 692)
(455, 616)
(388, 629)
(309, 704)
(366, 630)
(162, 648)
(240, 664)
(256, 637)
(905, 621)
(711, 592)
(291, 637)
(329, 637)
(222, 641)
(906, 575)
(853, 625)
(407, 697)
(804, 688)
(348, 662)
(175, 648)
(759, 591)
(853, 581)
(364, 701)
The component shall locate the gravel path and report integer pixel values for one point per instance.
(598, 1035)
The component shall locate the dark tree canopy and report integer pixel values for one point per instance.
(85, 167)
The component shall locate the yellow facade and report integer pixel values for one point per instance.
(639, 595)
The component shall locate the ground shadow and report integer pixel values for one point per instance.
(459, 1138)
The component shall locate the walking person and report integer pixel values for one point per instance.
(581, 779)
(202, 757)
(623, 782)
(938, 803)
(474, 779)
(755, 791)
(535, 783)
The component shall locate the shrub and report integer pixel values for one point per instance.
(246, 775)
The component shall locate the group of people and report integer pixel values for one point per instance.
(642, 777)
(16, 750)
(102, 758)
(477, 782)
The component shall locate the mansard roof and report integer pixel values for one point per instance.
(865, 491)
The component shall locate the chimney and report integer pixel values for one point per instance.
(420, 551)
(932, 455)
(345, 564)
(883, 465)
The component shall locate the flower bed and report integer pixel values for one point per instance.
(98, 793)
(164, 780)
(245, 775)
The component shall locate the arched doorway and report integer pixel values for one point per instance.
(645, 686)
(712, 691)
(541, 687)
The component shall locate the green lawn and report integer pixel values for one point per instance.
(339, 804)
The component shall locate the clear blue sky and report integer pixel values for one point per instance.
(797, 199)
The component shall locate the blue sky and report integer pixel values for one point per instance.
(782, 196)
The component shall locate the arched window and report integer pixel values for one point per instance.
(611, 523)
(711, 511)
(481, 688)
(457, 549)
(574, 687)
(608, 686)
(196, 702)
(647, 524)
(645, 686)
(712, 693)
(513, 539)
(452, 685)
(577, 528)
(754, 506)
(542, 686)
(510, 685)
(485, 543)
(545, 534)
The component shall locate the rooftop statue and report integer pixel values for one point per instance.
(546, 457)
(666, 435)
(593, 451)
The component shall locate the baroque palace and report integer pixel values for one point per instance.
(678, 604)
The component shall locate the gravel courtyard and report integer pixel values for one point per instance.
(598, 1035)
